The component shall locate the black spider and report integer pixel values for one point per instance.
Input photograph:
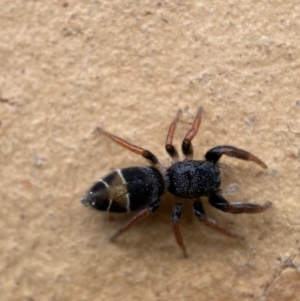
(140, 187)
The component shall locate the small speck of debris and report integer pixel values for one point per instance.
(6, 100)
(66, 4)
(298, 103)
(292, 155)
(274, 172)
(250, 121)
(38, 161)
(164, 19)
(232, 188)
(66, 32)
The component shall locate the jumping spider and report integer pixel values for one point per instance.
(140, 188)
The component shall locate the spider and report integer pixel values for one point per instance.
(141, 187)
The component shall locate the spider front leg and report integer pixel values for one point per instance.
(215, 154)
(136, 218)
(171, 150)
(175, 225)
(220, 203)
(199, 212)
(186, 146)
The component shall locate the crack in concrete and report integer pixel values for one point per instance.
(288, 263)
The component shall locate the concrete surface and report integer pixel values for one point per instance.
(128, 66)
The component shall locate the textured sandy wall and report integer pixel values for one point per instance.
(128, 66)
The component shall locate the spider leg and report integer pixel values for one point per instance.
(200, 213)
(186, 146)
(171, 150)
(215, 154)
(136, 218)
(175, 225)
(133, 148)
(220, 203)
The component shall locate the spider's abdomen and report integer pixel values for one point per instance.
(126, 189)
(191, 179)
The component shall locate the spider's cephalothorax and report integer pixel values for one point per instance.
(191, 179)
(140, 188)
